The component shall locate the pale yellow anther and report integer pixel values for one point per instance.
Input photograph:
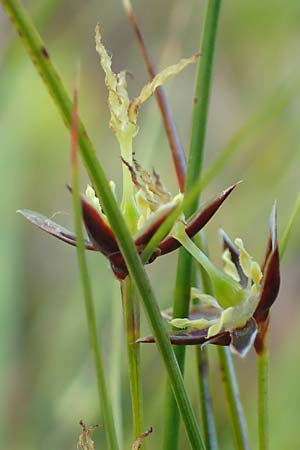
(256, 273)
(93, 199)
(229, 267)
(197, 324)
(250, 268)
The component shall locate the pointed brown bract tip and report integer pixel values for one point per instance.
(198, 221)
(53, 228)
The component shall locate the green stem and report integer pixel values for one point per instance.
(203, 361)
(205, 399)
(104, 400)
(116, 359)
(35, 47)
(233, 399)
(195, 160)
(263, 362)
(202, 96)
(132, 329)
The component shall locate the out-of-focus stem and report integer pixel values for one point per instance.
(205, 399)
(202, 360)
(116, 359)
(233, 399)
(132, 330)
(263, 362)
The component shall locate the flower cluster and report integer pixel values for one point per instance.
(238, 313)
(145, 203)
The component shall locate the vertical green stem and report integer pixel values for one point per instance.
(205, 400)
(233, 398)
(104, 402)
(198, 132)
(132, 329)
(263, 361)
(116, 359)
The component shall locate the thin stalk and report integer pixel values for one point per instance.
(116, 359)
(166, 113)
(36, 50)
(195, 160)
(263, 363)
(205, 399)
(132, 330)
(207, 413)
(233, 399)
(104, 402)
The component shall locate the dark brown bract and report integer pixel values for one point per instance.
(101, 237)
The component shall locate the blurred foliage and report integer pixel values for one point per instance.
(47, 374)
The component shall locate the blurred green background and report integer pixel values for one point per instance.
(47, 377)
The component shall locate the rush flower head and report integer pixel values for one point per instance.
(238, 313)
(145, 203)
